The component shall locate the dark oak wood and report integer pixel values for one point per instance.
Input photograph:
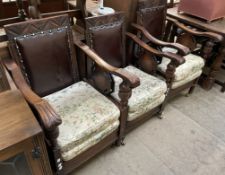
(151, 17)
(10, 12)
(4, 84)
(48, 118)
(215, 26)
(21, 133)
(100, 26)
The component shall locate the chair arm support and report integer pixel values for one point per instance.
(175, 58)
(49, 118)
(129, 78)
(211, 35)
(182, 49)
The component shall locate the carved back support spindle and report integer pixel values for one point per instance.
(172, 33)
(168, 30)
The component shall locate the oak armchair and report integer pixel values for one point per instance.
(77, 120)
(152, 28)
(106, 36)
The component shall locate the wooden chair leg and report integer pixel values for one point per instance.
(162, 107)
(192, 88)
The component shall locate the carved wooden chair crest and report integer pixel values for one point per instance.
(78, 121)
(152, 29)
(106, 35)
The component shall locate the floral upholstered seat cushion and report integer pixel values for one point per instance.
(186, 72)
(150, 93)
(87, 117)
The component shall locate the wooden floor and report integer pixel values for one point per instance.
(190, 140)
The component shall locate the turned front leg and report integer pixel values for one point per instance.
(215, 67)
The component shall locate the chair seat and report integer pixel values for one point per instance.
(150, 93)
(87, 118)
(190, 70)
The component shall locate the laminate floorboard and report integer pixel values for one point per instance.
(190, 140)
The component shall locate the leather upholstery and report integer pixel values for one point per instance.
(110, 36)
(54, 71)
(107, 31)
(105, 34)
(152, 15)
(51, 66)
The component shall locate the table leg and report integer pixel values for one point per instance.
(215, 67)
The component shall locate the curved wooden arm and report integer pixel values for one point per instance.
(133, 80)
(177, 59)
(49, 118)
(211, 35)
(182, 49)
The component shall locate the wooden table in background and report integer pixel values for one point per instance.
(217, 26)
(4, 85)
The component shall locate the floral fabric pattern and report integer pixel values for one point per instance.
(186, 80)
(145, 97)
(192, 65)
(87, 117)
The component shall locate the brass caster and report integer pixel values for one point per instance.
(160, 115)
(122, 142)
(187, 95)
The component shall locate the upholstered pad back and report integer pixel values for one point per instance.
(152, 14)
(44, 51)
(105, 34)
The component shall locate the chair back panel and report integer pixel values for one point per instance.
(105, 34)
(152, 15)
(44, 50)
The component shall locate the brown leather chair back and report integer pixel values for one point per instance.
(106, 36)
(44, 51)
(152, 15)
